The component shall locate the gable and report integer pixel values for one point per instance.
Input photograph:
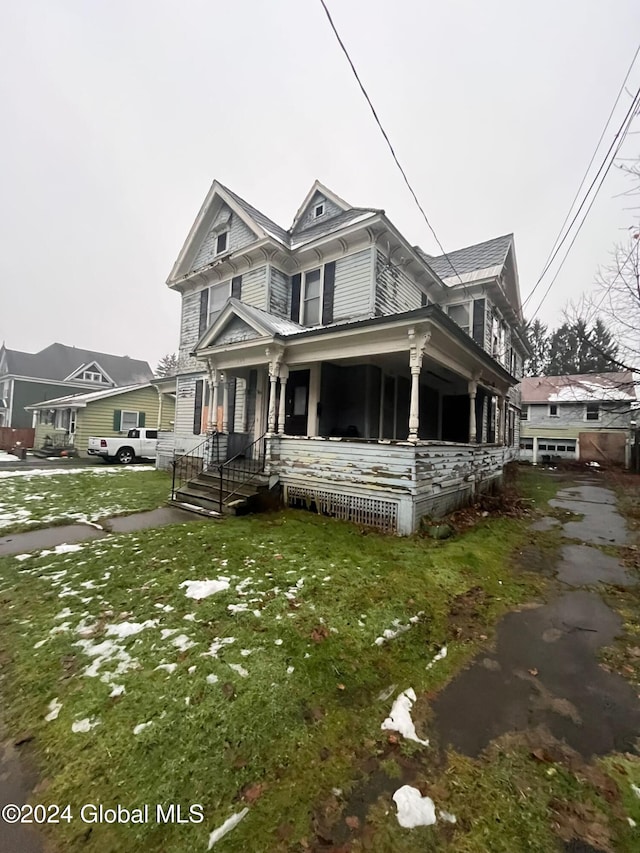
(308, 219)
(91, 372)
(233, 332)
(238, 236)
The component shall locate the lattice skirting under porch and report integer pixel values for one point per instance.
(369, 512)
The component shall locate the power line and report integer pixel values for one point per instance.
(622, 133)
(386, 138)
(584, 177)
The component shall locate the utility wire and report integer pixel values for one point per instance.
(620, 137)
(584, 177)
(386, 138)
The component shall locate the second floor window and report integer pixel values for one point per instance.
(593, 412)
(311, 298)
(460, 315)
(553, 410)
(524, 413)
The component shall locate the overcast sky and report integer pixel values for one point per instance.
(117, 116)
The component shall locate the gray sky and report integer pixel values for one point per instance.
(118, 115)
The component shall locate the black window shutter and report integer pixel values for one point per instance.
(327, 292)
(204, 311)
(423, 300)
(478, 321)
(197, 408)
(141, 419)
(296, 281)
(117, 418)
(236, 287)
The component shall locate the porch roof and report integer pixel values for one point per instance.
(288, 334)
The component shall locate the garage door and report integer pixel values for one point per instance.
(602, 447)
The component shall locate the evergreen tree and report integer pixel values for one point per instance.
(538, 337)
(168, 365)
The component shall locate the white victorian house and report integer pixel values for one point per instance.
(347, 369)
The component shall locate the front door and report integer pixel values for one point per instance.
(297, 403)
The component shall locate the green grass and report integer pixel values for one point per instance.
(295, 732)
(83, 494)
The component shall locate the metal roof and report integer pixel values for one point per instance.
(480, 256)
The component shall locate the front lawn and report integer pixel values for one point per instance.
(30, 499)
(266, 695)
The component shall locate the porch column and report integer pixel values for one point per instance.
(417, 345)
(212, 415)
(274, 355)
(284, 375)
(225, 404)
(473, 390)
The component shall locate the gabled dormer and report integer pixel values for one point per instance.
(91, 372)
(319, 207)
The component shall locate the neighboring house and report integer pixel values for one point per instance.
(586, 417)
(57, 370)
(68, 422)
(379, 380)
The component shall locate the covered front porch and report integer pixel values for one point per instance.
(382, 421)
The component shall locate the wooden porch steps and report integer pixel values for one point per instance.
(239, 496)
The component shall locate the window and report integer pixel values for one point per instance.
(91, 376)
(526, 444)
(524, 413)
(542, 447)
(318, 210)
(460, 315)
(593, 412)
(553, 410)
(312, 298)
(218, 295)
(221, 242)
(129, 420)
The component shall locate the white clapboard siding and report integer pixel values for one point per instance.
(395, 290)
(280, 293)
(189, 327)
(185, 405)
(254, 288)
(353, 285)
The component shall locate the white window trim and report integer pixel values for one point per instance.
(128, 412)
(219, 284)
(586, 408)
(321, 204)
(551, 415)
(303, 288)
(469, 305)
(524, 412)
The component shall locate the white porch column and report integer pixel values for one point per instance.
(212, 414)
(473, 390)
(417, 346)
(225, 404)
(535, 450)
(274, 355)
(284, 375)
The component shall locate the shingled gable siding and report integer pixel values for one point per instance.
(97, 418)
(352, 293)
(240, 235)
(279, 293)
(307, 220)
(395, 291)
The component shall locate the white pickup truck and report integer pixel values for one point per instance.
(138, 443)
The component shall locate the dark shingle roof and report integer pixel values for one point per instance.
(491, 253)
(331, 224)
(263, 221)
(58, 361)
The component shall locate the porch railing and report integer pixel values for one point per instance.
(188, 466)
(241, 469)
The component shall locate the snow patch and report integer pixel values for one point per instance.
(439, 656)
(413, 808)
(84, 725)
(129, 629)
(141, 727)
(54, 709)
(203, 589)
(226, 827)
(399, 720)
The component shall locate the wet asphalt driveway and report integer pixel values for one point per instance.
(544, 670)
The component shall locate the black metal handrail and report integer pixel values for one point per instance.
(188, 466)
(243, 467)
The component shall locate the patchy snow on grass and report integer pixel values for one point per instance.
(413, 808)
(441, 655)
(399, 720)
(217, 644)
(129, 629)
(84, 725)
(106, 652)
(54, 709)
(236, 667)
(212, 679)
(226, 827)
(398, 628)
(447, 817)
(56, 472)
(182, 642)
(203, 589)
(118, 690)
(636, 790)
(168, 667)
(141, 727)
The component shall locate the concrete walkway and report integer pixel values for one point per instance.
(545, 670)
(38, 540)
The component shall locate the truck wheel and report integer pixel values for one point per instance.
(125, 456)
